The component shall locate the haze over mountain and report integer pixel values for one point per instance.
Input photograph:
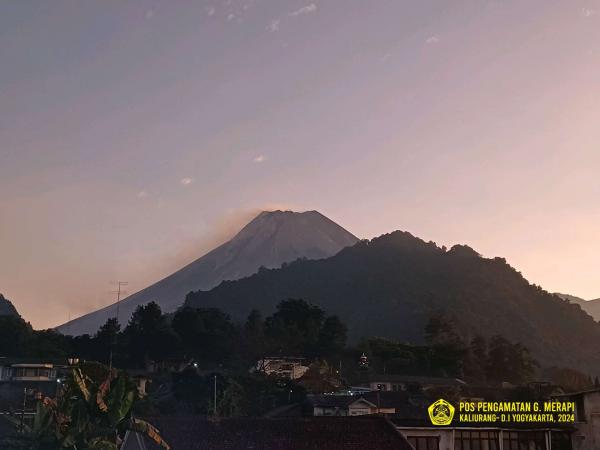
(269, 240)
(592, 307)
(6, 307)
(391, 285)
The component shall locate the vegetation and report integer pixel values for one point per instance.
(6, 307)
(92, 411)
(392, 285)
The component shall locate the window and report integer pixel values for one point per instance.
(524, 440)
(32, 372)
(424, 442)
(476, 440)
(580, 404)
(561, 441)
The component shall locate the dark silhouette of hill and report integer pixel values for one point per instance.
(7, 308)
(390, 286)
(592, 307)
(270, 239)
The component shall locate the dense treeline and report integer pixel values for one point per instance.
(209, 339)
(206, 335)
(391, 285)
(205, 346)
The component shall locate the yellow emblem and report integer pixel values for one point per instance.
(441, 412)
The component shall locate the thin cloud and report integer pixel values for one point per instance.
(432, 40)
(142, 194)
(587, 12)
(230, 17)
(308, 9)
(260, 158)
(273, 26)
(210, 11)
(186, 181)
(275, 23)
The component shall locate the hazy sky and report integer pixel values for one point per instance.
(134, 135)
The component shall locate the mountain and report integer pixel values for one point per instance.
(7, 308)
(269, 240)
(592, 307)
(390, 286)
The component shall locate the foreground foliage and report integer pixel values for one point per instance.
(92, 411)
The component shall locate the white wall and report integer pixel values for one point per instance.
(587, 436)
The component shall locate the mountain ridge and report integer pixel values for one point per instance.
(7, 308)
(269, 240)
(592, 307)
(390, 285)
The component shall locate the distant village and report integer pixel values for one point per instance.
(380, 411)
(196, 376)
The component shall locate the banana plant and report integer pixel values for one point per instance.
(92, 411)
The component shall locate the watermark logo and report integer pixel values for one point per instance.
(441, 412)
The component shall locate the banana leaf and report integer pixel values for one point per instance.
(141, 426)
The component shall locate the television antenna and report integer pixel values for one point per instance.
(119, 292)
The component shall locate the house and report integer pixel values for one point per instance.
(290, 367)
(407, 382)
(33, 372)
(304, 433)
(358, 405)
(587, 418)
(337, 405)
(486, 437)
(413, 422)
(21, 380)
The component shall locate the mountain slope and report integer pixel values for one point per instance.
(7, 308)
(269, 240)
(391, 285)
(592, 307)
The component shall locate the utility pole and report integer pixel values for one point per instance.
(23, 410)
(119, 292)
(215, 395)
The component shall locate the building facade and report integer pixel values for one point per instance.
(587, 418)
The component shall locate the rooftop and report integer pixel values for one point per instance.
(324, 433)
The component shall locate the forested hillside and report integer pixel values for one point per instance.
(390, 286)
(7, 308)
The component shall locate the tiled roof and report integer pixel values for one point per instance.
(307, 433)
(385, 399)
(416, 379)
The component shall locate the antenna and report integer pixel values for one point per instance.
(119, 292)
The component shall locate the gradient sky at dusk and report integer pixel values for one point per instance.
(136, 135)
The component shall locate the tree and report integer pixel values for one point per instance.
(475, 359)
(92, 411)
(295, 327)
(509, 362)
(253, 334)
(206, 333)
(105, 339)
(332, 337)
(14, 334)
(149, 335)
(233, 400)
(447, 346)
